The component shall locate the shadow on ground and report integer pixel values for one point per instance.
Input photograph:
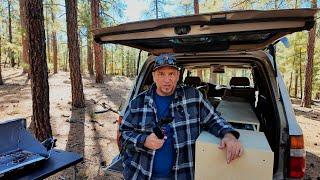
(313, 166)
(76, 137)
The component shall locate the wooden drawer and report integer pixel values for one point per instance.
(255, 163)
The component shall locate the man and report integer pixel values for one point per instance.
(145, 156)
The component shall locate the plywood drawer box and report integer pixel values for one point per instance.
(255, 163)
(238, 112)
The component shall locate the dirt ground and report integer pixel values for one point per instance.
(79, 130)
(93, 134)
(309, 121)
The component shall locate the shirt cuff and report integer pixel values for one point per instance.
(230, 130)
(140, 141)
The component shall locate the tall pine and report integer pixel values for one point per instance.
(74, 54)
(38, 69)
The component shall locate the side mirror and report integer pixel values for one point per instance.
(285, 42)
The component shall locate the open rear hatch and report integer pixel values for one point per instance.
(222, 31)
(235, 30)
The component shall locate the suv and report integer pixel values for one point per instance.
(228, 55)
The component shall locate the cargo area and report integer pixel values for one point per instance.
(239, 91)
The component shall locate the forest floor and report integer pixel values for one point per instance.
(93, 134)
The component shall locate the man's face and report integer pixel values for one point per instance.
(166, 79)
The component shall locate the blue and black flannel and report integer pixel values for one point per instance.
(191, 114)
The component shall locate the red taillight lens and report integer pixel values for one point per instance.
(297, 157)
(297, 167)
(118, 133)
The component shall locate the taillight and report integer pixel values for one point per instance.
(297, 167)
(297, 157)
(118, 133)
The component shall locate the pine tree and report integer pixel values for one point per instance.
(74, 58)
(54, 40)
(25, 45)
(38, 69)
(306, 102)
(98, 54)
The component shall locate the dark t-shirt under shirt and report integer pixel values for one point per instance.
(164, 157)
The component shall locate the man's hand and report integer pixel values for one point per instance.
(234, 147)
(153, 142)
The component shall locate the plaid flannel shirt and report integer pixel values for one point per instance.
(191, 114)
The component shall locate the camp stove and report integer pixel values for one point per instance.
(19, 150)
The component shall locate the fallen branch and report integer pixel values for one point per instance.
(101, 111)
(94, 121)
(106, 110)
(73, 145)
(114, 111)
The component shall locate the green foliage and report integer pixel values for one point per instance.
(186, 7)
(111, 11)
(84, 15)
(162, 10)
(123, 60)
(211, 6)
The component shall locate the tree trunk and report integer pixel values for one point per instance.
(196, 11)
(55, 52)
(122, 61)
(38, 68)
(74, 58)
(54, 42)
(97, 47)
(134, 64)
(300, 73)
(25, 46)
(112, 71)
(128, 64)
(157, 9)
(11, 54)
(66, 57)
(47, 35)
(19, 59)
(196, 6)
(199, 73)
(80, 48)
(105, 61)
(296, 83)
(1, 81)
(89, 54)
(306, 101)
(290, 84)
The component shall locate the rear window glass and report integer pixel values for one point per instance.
(206, 75)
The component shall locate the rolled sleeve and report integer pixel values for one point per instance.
(140, 142)
(235, 133)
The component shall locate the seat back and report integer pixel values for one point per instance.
(239, 82)
(193, 81)
(240, 87)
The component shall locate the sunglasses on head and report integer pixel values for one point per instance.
(165, 60)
